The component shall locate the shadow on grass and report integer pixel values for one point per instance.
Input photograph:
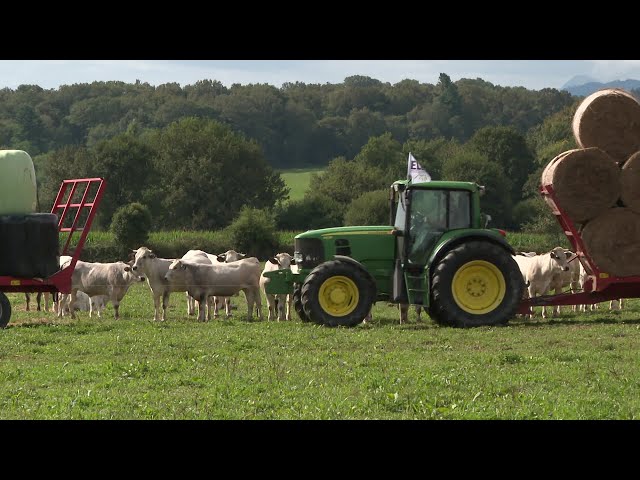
(614, 318)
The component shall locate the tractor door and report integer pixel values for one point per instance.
(398, 220)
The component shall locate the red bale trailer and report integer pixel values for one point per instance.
(75, 206)
(599, 287)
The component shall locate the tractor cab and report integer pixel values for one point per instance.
(422, 213)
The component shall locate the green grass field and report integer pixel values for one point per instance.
(297, 180)
(577, 366)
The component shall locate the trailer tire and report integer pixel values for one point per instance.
(337, 294)
(475, 284)
(5, 310)
(297, 303)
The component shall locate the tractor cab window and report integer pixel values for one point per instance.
(459, 209)
(432, 213)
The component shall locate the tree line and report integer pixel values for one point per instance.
(296, 125)
(195, 155)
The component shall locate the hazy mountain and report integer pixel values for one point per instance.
(578, 80)
(590, 87)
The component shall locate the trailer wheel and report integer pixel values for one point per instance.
(297, 303)
(337, 293)
(475, 284)
(5, 310)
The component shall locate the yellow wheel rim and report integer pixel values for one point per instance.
(338, 296)
(478, 287)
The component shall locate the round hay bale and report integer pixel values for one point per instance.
(610, 120)
(550, 164)
(586, 182)
(630, 183)
(613, 241)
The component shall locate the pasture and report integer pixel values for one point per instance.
(576, 366)
(298, 180)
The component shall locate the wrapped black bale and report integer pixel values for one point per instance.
(29, 245)
(612, 239)
(586, 182)
(610, 120)
(630, 183)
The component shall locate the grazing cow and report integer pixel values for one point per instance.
(540, 272)
(97, 304)
(278, 301)
(155, 269)
(224, 279)
(47, 297)
(83, 301)
(111, 279)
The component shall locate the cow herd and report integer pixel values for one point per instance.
(211, 280)
(208, 280)
(554, 271)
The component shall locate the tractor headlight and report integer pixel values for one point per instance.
(297, 256)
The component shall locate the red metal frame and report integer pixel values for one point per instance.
(61, 280)
(600, 286)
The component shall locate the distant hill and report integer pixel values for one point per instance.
(590, 87)
(578, 80)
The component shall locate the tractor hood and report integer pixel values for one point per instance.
(342, 231)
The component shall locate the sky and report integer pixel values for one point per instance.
(531, 74)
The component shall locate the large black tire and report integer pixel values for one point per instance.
(297, 303)
(5, 310)
(337, 294)
(475, 284)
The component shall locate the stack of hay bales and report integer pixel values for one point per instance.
(598, 184)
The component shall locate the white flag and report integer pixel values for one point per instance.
(415, 172)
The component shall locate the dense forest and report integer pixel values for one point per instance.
(196, 154)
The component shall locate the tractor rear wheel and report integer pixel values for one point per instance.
(337, 294)
(297, 302)
(5, 310)
(475, 284)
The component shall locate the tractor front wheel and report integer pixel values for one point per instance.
(476, 284)
(337, 294)
(297, 302)
(5, 310)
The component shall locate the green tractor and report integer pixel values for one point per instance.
(437, 252)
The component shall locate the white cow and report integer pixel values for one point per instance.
(111, 279)
(226, 279)
(617, 304)
(540, 272)
(524, 259)
(278, 301)
(84, 303)
(567, 279)
(63, 261)
(97, 304)
(200, 256)
(227, 257)
(155, 269)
